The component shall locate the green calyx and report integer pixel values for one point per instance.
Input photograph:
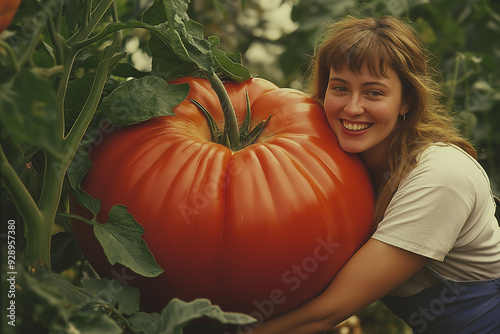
(246, 136)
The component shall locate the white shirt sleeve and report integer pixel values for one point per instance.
(431, 205)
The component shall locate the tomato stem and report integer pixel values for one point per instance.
(245, 136)
(230, 122)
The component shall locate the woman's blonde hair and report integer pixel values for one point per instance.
(385, 43)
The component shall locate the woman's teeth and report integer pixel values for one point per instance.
(356, 127)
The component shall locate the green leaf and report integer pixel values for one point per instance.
(146, 323)
(138, 100)
(173, 61)
(77, 170)
(167, 64)
(124, 298)
(178, 314)
(121, 240)
(77, 94)
(228, 68)
(49, 303)
(126, 70)
(29, 113)
(54, 281)
(255, 133)
(155, 14)
(182, 36)
(121, 69)
(186, 36)
(245, 127)
(40, 306)
(90, 62)
(43, 57)
(72, 12)
(91, 323)
(64, 252)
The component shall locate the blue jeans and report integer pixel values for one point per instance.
(471, 307)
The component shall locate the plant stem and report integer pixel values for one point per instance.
(62, 54)
(114, 12)
(12, 55)
(18, 191)
(56, 40)
(68, 59)
(87, 10)
(56, 168)
(27, 53)
(82, 122)
(38, 234)
(88, 26)
(230, 122)
(73, 216)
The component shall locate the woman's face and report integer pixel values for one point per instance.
(363, 110)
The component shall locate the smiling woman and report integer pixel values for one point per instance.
(436, 229)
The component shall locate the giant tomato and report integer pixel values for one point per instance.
(259, 230)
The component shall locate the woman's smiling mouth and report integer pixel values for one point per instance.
(355, 126)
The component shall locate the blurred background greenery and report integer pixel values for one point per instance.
(277, 37)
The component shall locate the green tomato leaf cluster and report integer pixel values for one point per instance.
(51, 304)
(179, 48)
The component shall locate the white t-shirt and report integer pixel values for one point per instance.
(444, 210)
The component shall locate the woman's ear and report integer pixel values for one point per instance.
(405, 107)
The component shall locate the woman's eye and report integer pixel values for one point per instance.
(374, 93)
(340, 89)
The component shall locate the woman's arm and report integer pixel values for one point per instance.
(375, 270)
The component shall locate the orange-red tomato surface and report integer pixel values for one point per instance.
(7, 10)
(260, 230)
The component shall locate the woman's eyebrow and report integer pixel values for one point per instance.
(378, 83)
(337, 79)
(369, 83)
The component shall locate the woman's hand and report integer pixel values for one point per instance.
(375, 270)
(350, 326)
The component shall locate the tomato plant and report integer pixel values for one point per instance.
(269, 224)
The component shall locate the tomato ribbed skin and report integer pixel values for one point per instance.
(259, 230)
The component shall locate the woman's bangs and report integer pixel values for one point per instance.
(364, 52)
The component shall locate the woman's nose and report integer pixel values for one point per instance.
(354, 106)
